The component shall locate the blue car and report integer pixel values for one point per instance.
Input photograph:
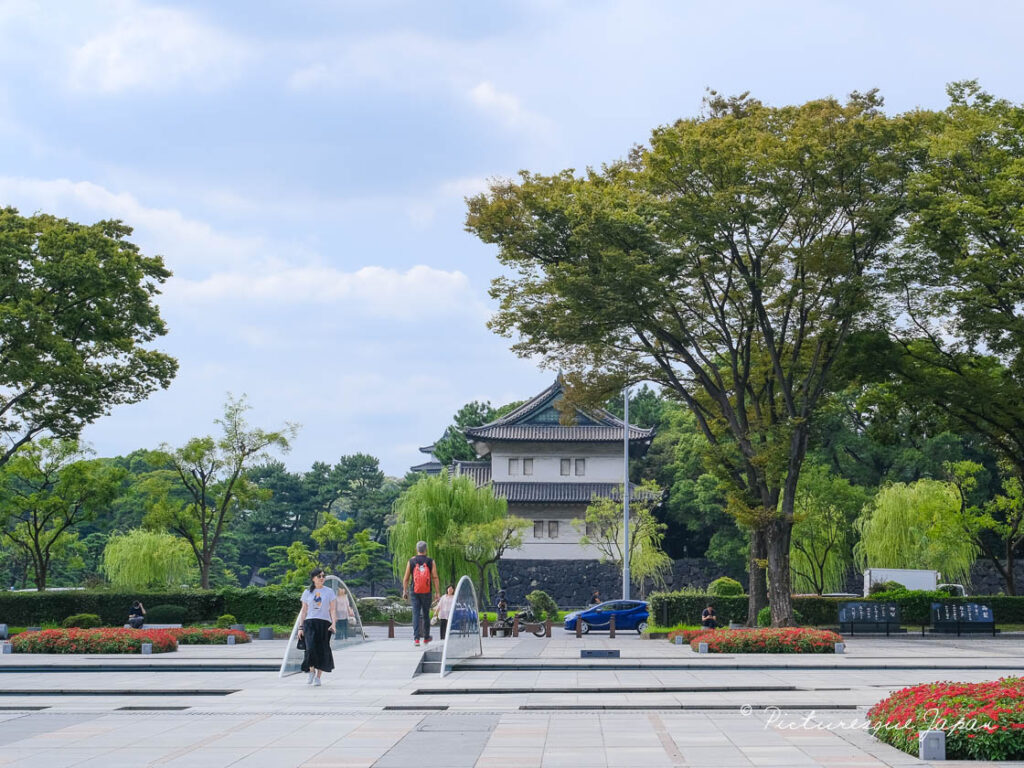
(629, 614)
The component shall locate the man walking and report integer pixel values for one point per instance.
(423, 574)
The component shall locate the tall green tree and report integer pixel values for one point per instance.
(141, 559)
(728, 261)
(452, 445)
(210, 473)
(77, 314)
(46, 490)
(435, 510)
(826, 507)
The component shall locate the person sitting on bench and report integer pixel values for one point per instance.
(708, 619)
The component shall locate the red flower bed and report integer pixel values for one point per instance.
(982, 721)
(109, 640)
(199, 636)
(781, 640)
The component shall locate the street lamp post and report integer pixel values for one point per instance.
(625, 493)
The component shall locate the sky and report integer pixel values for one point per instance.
(302, 166)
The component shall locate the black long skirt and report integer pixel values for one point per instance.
(318, 645)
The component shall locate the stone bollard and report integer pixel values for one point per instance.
(678, 639)
(547, 628)
(266, 633)
(579, 627)
(515, 627)
(391, 628)
(147, 649)
(484, 626)
(611, 627)
(840, 647)
(931, 745)
(231, 639)
(702, 648)
(4, 634)
(8, 648)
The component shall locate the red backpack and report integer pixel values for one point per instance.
(421, 578)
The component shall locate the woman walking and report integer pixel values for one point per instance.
(317, 622)
(444, 609)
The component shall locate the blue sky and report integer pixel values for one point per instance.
(302, 165)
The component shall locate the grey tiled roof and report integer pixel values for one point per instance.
(560, 493)
(598, 425)
(430, 467)
(479, 471)
(556, 433)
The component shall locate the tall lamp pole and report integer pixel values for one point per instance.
(625, 493)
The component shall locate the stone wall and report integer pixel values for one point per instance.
(572, 582)
(985, 579)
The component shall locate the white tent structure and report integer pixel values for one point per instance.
(292, 662)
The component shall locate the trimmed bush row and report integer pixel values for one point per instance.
(198, 636)
(668, 608)
(982, 721)
(269, 605)
(108, 640)
(788, 640)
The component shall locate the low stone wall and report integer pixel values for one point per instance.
(572, 582)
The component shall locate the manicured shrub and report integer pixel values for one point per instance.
(82, 621)
(108, 640)
(885, 586)
(543, 606)
(200, 636)
(166, 614)
(668, 608)
(982, 721)
(225, 621)
(725, 587)
(782, 640)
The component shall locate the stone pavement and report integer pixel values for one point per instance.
(658, 705)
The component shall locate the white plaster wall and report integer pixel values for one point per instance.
(566, 547)
(604, 463)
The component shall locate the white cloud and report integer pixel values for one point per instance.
(418, 293)
(184, 242)
(154, 47)
(506, 108)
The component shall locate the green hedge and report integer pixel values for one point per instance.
(269, 605)
(670, 608)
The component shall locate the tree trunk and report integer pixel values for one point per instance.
(1011, 581)
(780, 534)
(758, 591)
(204, 571)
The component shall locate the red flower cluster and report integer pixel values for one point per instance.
(982, 721)
(781, 640)
(109, 640)
(687, 634)
(200, 636)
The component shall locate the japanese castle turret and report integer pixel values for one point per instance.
(549, 471)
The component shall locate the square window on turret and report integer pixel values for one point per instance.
(552, 529)
(527, 466)
(581, 466)
(538, 529)
(566, 467)
(513, 466)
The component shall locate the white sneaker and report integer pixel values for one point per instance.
(311, 678)
(316, 682)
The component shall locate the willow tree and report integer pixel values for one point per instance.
(729, 260)
(142, 559)
(826, 507)
(448, 513)
(916, 526)
(605, 531)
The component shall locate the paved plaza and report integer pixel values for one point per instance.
(526, 702)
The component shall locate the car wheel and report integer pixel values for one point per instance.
(641, 627)
(584, 628)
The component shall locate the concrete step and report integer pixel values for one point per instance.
(430, 662)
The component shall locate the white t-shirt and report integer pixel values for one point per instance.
(319, 602)
(444, 606)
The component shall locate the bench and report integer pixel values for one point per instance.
(872, 618)
(970, 618)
